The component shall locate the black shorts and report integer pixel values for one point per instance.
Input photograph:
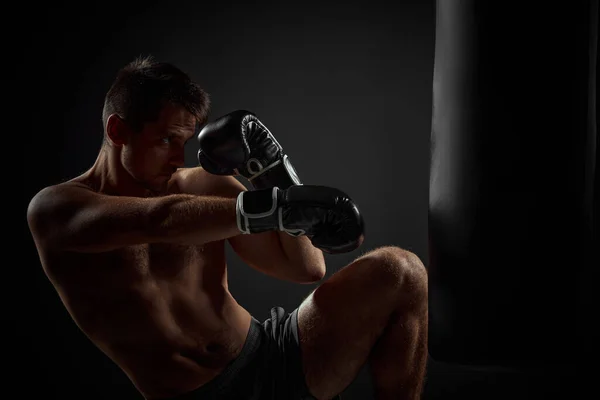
(269, 366)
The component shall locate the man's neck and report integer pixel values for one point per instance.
(108, 176)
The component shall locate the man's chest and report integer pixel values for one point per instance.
(161, 258)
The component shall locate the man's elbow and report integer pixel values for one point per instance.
(309, 268)
(317, 267)
(316, 278)
(315, 274)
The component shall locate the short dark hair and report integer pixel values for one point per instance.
(144, 86)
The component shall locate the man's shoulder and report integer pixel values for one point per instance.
(189, 173)
(53, 197)
(58, 190)
(197, 181)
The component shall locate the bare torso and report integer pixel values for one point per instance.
(162, 312)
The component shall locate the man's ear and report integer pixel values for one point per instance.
(117, 130)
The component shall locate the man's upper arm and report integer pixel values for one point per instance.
(262, 251)
(71, 217)
(199, 182)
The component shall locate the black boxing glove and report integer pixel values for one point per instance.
(239, 144)
(327, 216)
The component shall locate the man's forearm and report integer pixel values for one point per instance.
(194, 219)
(303, 255)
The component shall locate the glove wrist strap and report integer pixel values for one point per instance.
(281, 173)
(259, 211)
(256, 210)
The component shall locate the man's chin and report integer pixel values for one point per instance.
(159, 186)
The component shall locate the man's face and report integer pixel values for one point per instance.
(154, 154)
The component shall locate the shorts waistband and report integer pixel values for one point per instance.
(251, 345)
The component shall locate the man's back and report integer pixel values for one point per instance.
(161, 311)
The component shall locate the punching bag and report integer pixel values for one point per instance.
(513, 154)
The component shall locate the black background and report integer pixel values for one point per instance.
(345, 87)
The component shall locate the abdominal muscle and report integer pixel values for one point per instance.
(171, 328)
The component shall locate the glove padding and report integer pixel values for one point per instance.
(239, 144)
(327, 216)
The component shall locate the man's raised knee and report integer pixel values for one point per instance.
(400, 268)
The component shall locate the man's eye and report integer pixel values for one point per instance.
(166, 140)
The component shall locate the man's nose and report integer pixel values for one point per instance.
(178, 158)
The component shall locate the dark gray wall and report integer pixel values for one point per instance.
(345, 87)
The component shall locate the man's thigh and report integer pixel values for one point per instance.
(340, 321)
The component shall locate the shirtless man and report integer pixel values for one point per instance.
(135, 248)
